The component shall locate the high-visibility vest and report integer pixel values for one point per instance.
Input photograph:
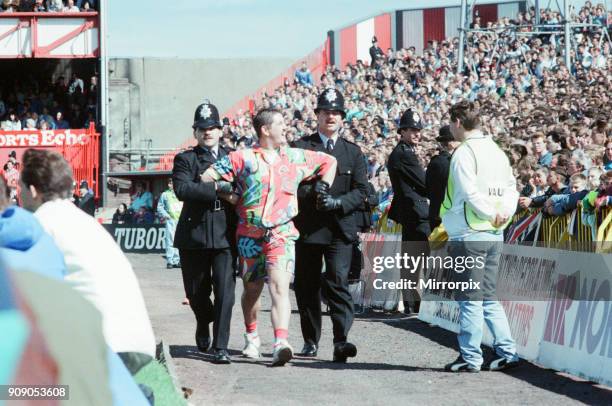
(491, 167)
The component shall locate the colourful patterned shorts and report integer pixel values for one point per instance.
(261, 250)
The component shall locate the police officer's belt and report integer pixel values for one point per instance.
(217, 205)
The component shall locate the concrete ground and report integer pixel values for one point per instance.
(400, 360)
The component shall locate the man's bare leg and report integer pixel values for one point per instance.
(280, 313)
(250, 307)
(250, 301)
(279, 292)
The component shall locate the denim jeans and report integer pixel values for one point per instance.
(474, 313)
(172, 254)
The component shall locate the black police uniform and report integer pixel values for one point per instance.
(204, 237)
(409, 206)
(376, 53)
(436, 178)
(329, 235)
(363, 218)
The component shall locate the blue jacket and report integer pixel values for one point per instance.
(304, 78)
(24, 245)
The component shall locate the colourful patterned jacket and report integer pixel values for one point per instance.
(268, 190)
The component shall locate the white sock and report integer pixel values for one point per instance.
(279, 341)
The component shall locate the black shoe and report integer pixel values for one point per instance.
(169, 266)
(459, 365)
(342, 351)
(413, 309)
(309, 350)
(202, 337)
(221, 357)
(499, 364)
(176, 265)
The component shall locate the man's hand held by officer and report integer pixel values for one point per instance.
(225, 191)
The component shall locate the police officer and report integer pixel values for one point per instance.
(204, 234)
(436, 176)
(409, 206)
(327, 226)
(376, 53)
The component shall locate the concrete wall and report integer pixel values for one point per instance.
(153, 100)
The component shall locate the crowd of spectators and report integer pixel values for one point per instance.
(52, 6)
(63, 104)
(552, 120)
(10, 175)
(141, 209)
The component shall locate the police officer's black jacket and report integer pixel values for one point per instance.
(376, 53)
(206, 221)
(350, 185)
(409, 204)
(436, 179)
(364, 216)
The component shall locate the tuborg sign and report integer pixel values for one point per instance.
(142, 239)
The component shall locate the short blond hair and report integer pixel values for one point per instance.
(578, 180)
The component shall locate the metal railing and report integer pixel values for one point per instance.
(139, 159)
(565, 232)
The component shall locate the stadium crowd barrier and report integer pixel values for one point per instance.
(568, 328)
(568, 231)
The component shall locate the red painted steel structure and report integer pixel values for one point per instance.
(83, 156)
(31, 20)
(348, 39)
(433, 25)
(487, 13)
(382, 30)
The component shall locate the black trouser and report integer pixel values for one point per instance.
(205, 271)
(308, 283)
(414, 243)
(356, 263)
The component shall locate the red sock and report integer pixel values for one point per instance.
(281, 333)
(251, 328)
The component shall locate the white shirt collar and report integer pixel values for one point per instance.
(475, 134)
(215, 150)
(325, 138)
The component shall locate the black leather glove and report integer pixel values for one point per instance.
(305, 191)
(327, 203)
(321, 188)
(224, 187)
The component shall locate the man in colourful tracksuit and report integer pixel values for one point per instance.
(266, 180)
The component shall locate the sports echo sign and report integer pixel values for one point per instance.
(141, 239)
(45, 138)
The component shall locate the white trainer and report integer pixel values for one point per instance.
(251, 346)
(282, 354)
